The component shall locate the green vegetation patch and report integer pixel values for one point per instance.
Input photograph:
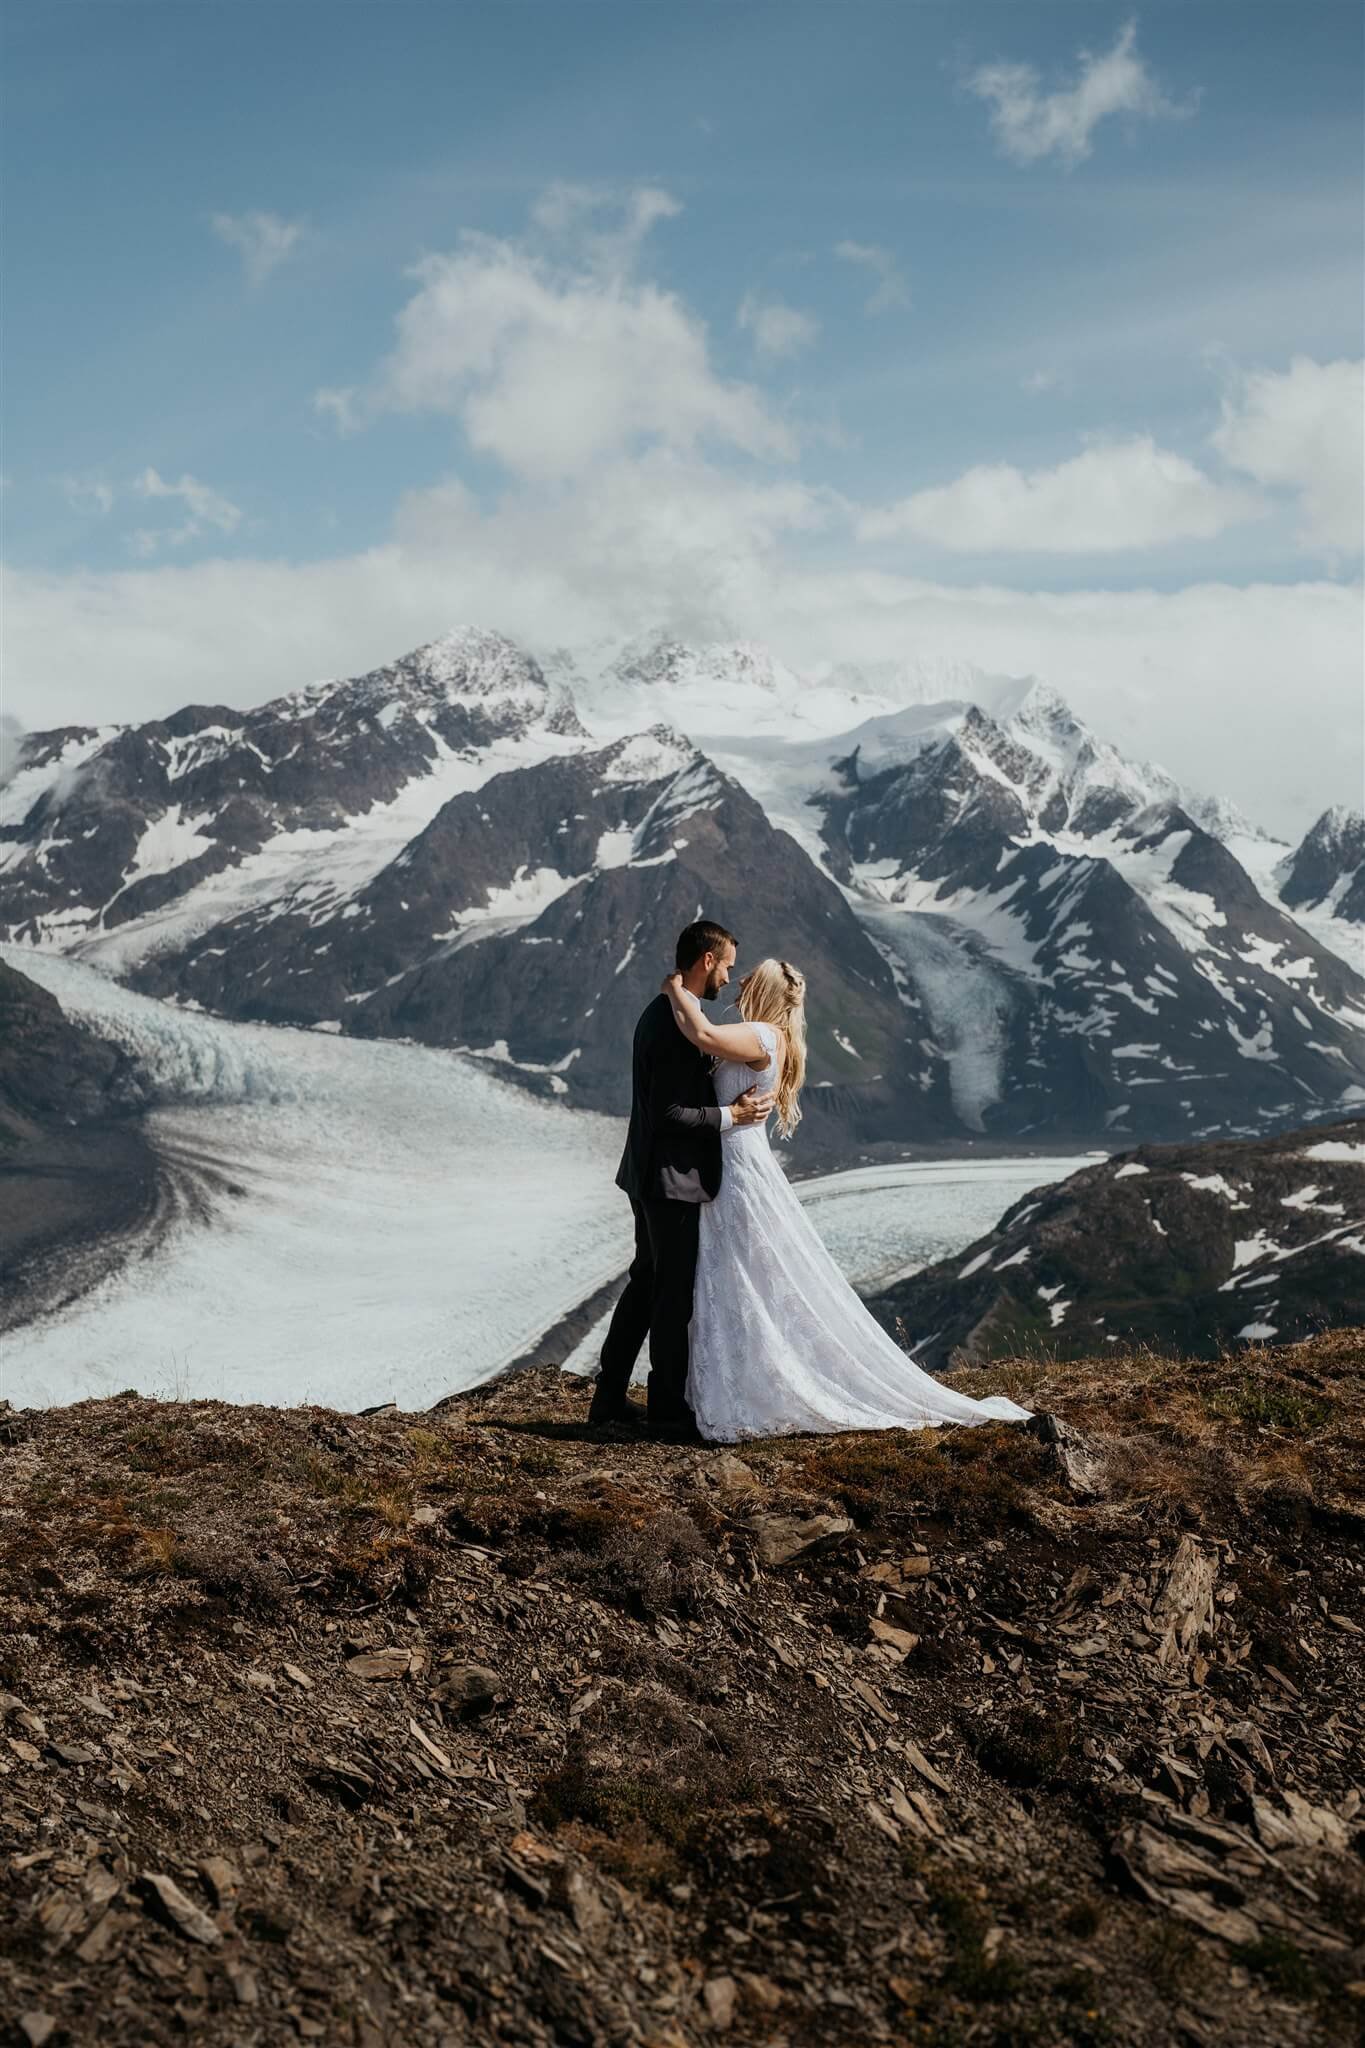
(1271, 1404)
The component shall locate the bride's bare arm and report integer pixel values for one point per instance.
(726, 1041)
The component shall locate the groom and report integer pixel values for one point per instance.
(671, 1165)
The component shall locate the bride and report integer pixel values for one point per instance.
(779, 1340)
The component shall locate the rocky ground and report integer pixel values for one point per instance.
(467, 1728)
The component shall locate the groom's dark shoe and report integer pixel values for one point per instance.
(674, 1426)
(623, 1418)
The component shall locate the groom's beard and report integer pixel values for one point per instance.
(714, 985)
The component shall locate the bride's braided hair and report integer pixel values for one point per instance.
(774, 992)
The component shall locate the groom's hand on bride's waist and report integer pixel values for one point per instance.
(752, 1107)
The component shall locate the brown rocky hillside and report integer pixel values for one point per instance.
(468, 1728)
(1189, 1249)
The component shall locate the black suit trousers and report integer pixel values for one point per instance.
(658, 1303)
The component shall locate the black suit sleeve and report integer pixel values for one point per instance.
(693, 1119)
(661, 1082)
(658, 1089)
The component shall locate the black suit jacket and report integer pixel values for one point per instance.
(674, 1122)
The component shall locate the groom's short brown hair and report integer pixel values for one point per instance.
(705, 936)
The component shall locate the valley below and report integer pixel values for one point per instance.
(371, 954)
(359, 1223)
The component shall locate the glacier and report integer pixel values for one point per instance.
(380, 1221)
(385, 1221)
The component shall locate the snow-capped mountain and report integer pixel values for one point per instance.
(708, 690)
(1320, 883)
(1326, 871)
(524, 924)
(738, 692)
(151, 831)
(1089, 953)
(437, 850)
(1006, 924)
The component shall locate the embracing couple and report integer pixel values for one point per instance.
(752, 1328)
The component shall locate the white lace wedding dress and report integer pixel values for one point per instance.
(779, 1340)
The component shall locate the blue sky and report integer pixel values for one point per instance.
(1023, 331)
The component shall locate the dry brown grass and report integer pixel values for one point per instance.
(1279, 1431)
(701, 1741)
(893, 1478)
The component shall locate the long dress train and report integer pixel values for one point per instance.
(779, 1340)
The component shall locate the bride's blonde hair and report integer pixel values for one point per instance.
(774, 992)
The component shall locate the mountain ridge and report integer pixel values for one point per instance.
(1026, 895)
(1187, 1249)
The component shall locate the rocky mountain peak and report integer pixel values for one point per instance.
(1042, 710)
(1338, 830)
(468, 668)
(1327, 869)
(648, 756)
(1155, 822)
(743, 665)
(1221, 817)
(469, 685)
(470, 661)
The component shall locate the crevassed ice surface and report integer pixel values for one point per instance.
(406, 1224)
(883, 1222)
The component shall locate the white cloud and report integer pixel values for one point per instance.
(554, 357)
(1194, 677)
(89, 494)
(11, 733)
(777, 328)
(630, 498)
(606, 226)
(1115, 494)
(891, 288)
(1029, 124)
(1039, 381)
(340, 402)
(264, 240)
(203, 505)
(1303, 430)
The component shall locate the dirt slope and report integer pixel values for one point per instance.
(470, 1729)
